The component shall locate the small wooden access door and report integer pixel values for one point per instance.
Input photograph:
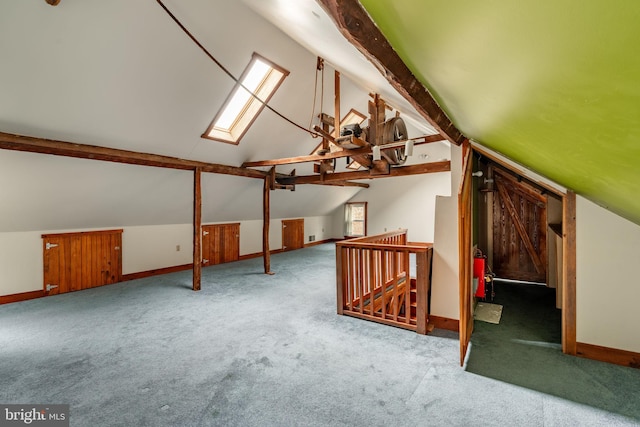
(75, 261)
(292, 234)
(220, 243)
(519, 230)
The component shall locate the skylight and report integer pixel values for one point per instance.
(261, 77)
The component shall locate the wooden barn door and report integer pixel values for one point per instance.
(292, 234)
(519, 230)
(75, 261)
(220, 243)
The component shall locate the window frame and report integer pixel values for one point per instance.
(234, 134)
(348, 220)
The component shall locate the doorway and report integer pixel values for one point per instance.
(526, 231)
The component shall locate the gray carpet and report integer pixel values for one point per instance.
(254, 350)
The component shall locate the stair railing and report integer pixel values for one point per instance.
(374, 282)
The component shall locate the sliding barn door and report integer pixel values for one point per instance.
(292, 234)
(220, 243)
(76, 261)
(519, 230)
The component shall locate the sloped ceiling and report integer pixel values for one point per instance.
(554, 85)
(121, 74)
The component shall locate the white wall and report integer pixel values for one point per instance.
(405, 202)
(608, 292)
(143, 248)
(152, 247)
(20, 262)
(445, 294)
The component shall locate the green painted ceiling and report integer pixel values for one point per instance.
(553, 85)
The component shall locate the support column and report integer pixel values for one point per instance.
(197, 229)
(266, 214)
(569, 275)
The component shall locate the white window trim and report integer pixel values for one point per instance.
(252, 108)
(348, 220)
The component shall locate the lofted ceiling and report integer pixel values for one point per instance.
(121, 74)
(553, 85)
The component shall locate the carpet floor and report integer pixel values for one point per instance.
(256, 350)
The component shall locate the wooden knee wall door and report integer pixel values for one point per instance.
(76, 261)
(292, 234)
(220, 243)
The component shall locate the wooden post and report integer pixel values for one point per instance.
(569, 309)
(339, 283)
(266, 254)
(336, 103)
(197, 229)
(422, 290)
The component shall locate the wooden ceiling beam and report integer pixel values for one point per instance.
(354, 23)
(343, 184)
(421, 168)
(68, 149)
(338, 154)
(310, 158)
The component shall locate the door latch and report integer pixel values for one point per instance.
(50, 286)
(204, 233)
(51, 245)
(204, 261)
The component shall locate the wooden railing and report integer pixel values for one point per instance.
(374, 282)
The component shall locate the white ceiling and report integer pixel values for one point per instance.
(121, 74)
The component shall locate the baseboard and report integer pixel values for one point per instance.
(609, 355)
(258, 254)
(445, 323)
(159, 271)
(7, 299)
(156, 272)
(277, 251)
(321, 242)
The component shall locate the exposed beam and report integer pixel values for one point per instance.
(343, 184)
(53, 2)
(354, 23)
(343, 176)
(68, 149)
(338, 154)
(325, 133)
(310, 158)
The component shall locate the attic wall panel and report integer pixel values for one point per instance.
(607, 291)
(143, 248)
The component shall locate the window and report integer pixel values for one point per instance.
(262, 77)
(353, 116)
(356, 219)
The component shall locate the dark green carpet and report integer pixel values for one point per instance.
(257, 350)
(524, 349)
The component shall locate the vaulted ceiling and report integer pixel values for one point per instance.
(121, 74)
(552, 85)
